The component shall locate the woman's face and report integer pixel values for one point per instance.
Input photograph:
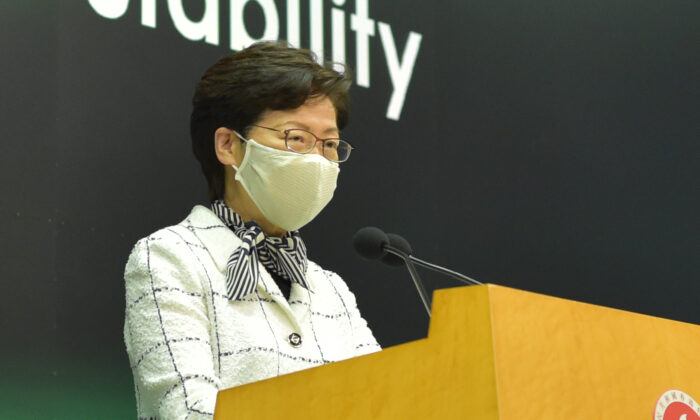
(316, 115)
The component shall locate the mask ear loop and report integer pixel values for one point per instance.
(244, 140)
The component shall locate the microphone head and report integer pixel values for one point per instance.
(369, 242)
(400, 243)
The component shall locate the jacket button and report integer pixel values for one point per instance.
(295, 339)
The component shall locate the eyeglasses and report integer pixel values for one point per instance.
(301, 141)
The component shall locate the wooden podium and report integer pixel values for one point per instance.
(496, 353)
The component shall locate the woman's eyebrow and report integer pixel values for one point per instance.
(298, 124)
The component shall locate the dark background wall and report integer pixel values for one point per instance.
(550, 146)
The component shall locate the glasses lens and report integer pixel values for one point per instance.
(336, 150)
(300, 141)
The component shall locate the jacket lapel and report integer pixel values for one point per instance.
(216, 237)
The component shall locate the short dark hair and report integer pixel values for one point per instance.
(238, 88)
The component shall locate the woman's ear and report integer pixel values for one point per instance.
(228, 147)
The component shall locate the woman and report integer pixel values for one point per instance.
(228, 296)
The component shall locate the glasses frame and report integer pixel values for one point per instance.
(316, 139)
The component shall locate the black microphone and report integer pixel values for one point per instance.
(372, 243)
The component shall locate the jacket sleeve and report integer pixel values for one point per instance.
(363, 338)
(167, 330)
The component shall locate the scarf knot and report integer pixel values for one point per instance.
(285, 256)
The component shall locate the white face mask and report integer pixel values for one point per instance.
(290, 189)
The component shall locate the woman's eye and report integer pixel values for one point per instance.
(331, 144)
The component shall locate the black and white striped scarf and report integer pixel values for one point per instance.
(285, 256)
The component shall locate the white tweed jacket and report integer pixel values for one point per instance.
(186, 340)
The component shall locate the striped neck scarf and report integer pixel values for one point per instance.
(285, 256)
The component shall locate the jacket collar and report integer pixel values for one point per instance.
(216, 237)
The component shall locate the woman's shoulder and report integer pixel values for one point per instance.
(177, 235)
(201, 238)
(176, 254)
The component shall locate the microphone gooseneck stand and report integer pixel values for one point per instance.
(414, 276)
(373, 243)
(455, 275)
